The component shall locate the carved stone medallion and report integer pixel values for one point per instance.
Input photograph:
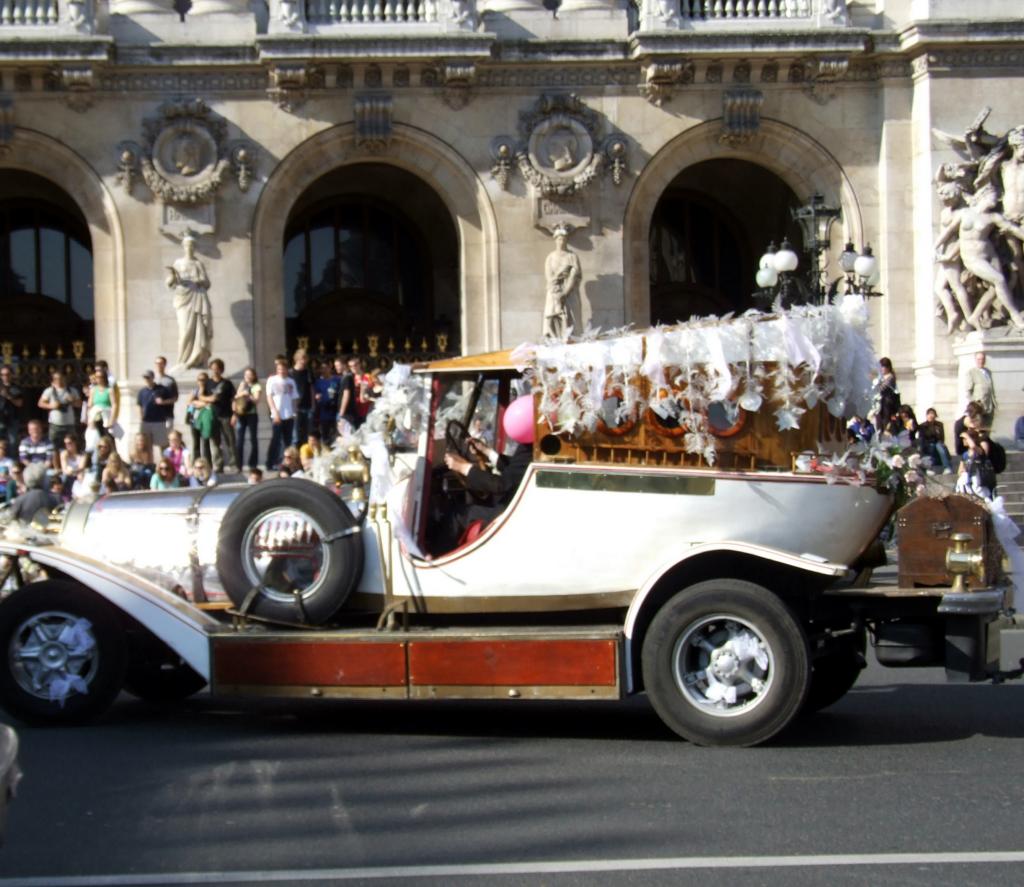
(184, 156)
(559, 156)
(560, 151)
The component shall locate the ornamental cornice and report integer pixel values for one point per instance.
(967, 62)
(956, 33)
(70, 49)
(515, 76)
(159, 55)
(846, 41)
(565, 51)
(181, 82)
(367, 48)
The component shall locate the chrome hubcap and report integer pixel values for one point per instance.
(283, 553)
(53, 655)
(723, 665)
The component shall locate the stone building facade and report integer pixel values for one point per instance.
(386, 175)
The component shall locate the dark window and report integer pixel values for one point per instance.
(354, 267)
(697, 260)
(45, 252)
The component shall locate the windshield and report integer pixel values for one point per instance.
(471, 403)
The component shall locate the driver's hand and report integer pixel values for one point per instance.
(455, 462)
(483, 452)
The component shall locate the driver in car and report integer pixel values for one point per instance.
(493, 478)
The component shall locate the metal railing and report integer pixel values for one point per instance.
(378, 352)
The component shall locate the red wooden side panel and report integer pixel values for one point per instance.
(267, 663)
(485, 663)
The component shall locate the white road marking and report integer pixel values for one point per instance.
(566, 867)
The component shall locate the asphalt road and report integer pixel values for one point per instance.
(879, 789)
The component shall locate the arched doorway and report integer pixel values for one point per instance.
(46, 283)
(777, 155)
(371, 265)
(435, 168)
(709, 228)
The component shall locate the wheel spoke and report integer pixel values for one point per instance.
(28, 653)
(706, 645)
(692, 678)
(753, 681)
(75, 663)
(39, 676)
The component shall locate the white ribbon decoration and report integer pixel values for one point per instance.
(1007, 532)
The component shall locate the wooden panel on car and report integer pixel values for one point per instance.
(322, 664)
(924, 527)
(481, 663)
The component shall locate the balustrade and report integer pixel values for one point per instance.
(28, 12)
(339, 12)
(717, 10)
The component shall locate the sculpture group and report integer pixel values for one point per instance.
(979, 253)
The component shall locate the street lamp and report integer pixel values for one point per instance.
(861, 271)
(777, 274)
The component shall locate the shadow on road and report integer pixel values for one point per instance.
(877, 714)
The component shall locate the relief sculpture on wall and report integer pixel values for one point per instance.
(184, 159)
(979, 252)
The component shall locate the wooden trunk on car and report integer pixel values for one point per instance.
(924, 527)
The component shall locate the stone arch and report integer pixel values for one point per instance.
(37, 153)
(801, 162)
(417, 152)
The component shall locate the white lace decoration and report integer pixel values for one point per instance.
(805, 355)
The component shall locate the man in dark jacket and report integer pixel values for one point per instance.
(221, 398)
(492, 481)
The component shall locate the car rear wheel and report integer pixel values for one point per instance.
(725, 663)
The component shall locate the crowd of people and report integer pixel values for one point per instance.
(979, 458)
(80, 450)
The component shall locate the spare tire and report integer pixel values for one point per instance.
(294, 542)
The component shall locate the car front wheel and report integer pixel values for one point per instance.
(725, 663)
(63, 654)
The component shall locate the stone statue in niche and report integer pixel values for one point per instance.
(979, 253)
(189, 284)
(562, 277)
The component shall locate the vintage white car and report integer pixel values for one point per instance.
(684, 526)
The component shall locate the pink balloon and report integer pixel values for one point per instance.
(518, 420)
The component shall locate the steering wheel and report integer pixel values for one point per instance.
(458, 438)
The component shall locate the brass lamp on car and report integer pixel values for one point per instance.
(963, 562)
(354, 471)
